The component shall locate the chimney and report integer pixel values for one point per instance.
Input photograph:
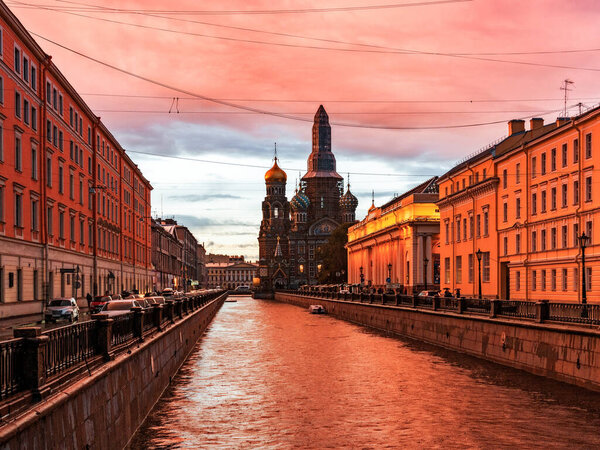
(516, 126)
(535, 123)
(562, 120)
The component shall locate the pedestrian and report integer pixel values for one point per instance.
(457, 293)
(447, 292)
(89, 300)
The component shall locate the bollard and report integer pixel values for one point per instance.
(461, 305)
(138, 322)
(397, 298)
(415, 300)
(179, 308)
(542, 311)
(104, 335)
(436, 303)
(33, 363)
(370, 298)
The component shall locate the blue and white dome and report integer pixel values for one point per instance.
(300, 201)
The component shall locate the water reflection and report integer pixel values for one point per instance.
(271, 375)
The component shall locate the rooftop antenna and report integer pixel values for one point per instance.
(565, 88)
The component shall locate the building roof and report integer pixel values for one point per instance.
(427, 187)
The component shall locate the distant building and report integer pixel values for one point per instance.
(230, 275)
(397, 245)
(215, 258)
(292, 232)
(167, 254)
(201, 265)
(189, 252)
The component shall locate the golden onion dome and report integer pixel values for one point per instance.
(275, 174)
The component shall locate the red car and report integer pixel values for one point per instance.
(98, 303)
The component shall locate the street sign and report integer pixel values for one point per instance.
(388, 280)
(67, 271)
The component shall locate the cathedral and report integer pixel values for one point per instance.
(292, 231)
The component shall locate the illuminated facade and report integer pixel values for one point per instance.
(230, 275)
(524, 203)
(397, 244)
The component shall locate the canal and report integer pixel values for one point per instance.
(271, 375)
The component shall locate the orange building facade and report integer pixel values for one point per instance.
(397, 245)
(73, 207)
(524, 202)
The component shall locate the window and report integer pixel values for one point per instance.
(1, 90)
(518, 173)
(34, 163)
(553, 279)
(588, 231)
(553, 198)
(478, 225)
(575, 234)
(505, 246)
(564, 279)
(564, 195)
(575, 151)
(564, 155)
(533, 280)
(470, 267)
(518, 208)
(504, 179)
(54, 98)
(60, 179)
(458, 269)
(575, 279)
(81, 232)
(588, 279)
(71, 186)
(72, 228)
(505, 212)
(71, 116)
(17, 104)
(458, 229)
(553, 238)
(1, 203)
(588, 189)
(471, 226)
(34, 215)
(26, 111)
(465, 229)
(534, 241)
(564, 236)
(18, 154)
(543, 202)
(533, 167)
(588, 146)
(33, 78)
(48, 131)
(543, 277)
(485, 223)
(543, 240)
(25, 69)
(518, 243)
(60, 104)
(48, 171)
(484, 174)
(446, 270)
(18, 210)
(553, 160)
(48, 92)
(543, 164)
(517, 280)
(534, 203)
(17, 60)
(576, 192)
(485, 261)
(49, 214)
(34, 118)
(61, 224)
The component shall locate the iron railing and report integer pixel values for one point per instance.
(517, 308)
(11, 366)
(574, 313)
(69, 345)
(122, 328)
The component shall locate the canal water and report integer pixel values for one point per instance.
(271, 375)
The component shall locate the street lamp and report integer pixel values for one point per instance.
(362, 276)
(425, 262)
(389, 272)
(479, 254)
(583, 241)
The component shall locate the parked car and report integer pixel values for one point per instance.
(242, 289)
(98, 302)
(167, 292)
(62, 308)
(118, 307)
(429, 293)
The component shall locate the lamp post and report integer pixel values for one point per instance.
(479, 254)
(362, 276)
(425, 262)
(583, 241)
(389, 278)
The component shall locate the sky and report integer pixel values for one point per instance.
(411, 87)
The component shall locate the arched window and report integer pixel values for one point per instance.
(276, 212)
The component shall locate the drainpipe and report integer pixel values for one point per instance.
(474, 240)
(526, 224)
(44, 181)
(95, 207)
(578, 210)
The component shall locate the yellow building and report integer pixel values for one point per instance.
(397, 244)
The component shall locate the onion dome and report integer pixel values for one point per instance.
(275, 174)
(300, 201)
(348, 201)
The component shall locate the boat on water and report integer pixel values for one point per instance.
(316, 309)
(231, 300)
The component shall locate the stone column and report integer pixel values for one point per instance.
(170, 310)
(104, 335)
(138, 322)
(33, 365)
(157, 314)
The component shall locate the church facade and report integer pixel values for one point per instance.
(291, 232)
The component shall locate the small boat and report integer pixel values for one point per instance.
(316, 309)
(231, 299)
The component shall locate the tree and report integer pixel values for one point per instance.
(334, 257)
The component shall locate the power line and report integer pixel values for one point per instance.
(262, 111)
(284, 11)
(375, 49)
(337, 113)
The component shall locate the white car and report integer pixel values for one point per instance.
(62, 308)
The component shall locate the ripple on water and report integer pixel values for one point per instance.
(270, 375)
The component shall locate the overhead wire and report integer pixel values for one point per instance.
(349, 50)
